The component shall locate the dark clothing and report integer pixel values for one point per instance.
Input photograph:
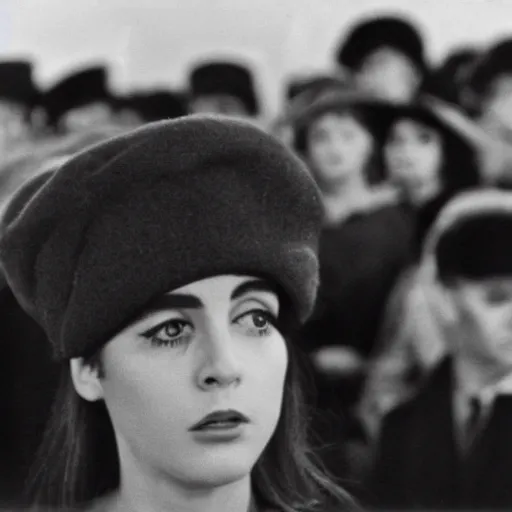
(360, 260)
(419, 464)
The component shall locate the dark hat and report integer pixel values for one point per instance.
(476, 247)
(448, 80)
(315, 84)
(302, 113)
(462, 137)
(76, 90)
(87, 246)
(491, 64)
(16, 83)
(374, 33)
(157, 105)
(435, 111)
(225, 78)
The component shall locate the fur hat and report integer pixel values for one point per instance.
(372, 34)
(225, 78)
(471, 238)
(16, 83)
(85, 247)
(76, 90)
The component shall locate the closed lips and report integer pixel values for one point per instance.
(220, 419)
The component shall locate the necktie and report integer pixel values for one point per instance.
(472, 423)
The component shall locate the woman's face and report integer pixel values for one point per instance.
(211, 346)
(339, 148)
(413, 155)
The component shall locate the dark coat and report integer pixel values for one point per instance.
(419, 465)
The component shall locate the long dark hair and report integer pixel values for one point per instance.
(459, 172)
(78, 461)
(366, 117)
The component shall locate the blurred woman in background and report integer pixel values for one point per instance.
(431, 154)
(339, 137)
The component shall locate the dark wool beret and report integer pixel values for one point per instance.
(476, 247)
(86, 247)
(372, 34)
(225, 78)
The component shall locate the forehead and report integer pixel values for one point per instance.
(218, 100)
(387, 55)
(336, 119)
(412, 125)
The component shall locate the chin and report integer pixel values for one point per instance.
(217, 473)
(213, 468)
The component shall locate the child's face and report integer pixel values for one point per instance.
(339, 148)
(389, 74)
(413, 155)
(484, 313)
(209, 346)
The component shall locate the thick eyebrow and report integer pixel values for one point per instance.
(187, 301)
(255, 285)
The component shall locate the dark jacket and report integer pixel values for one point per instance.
(419, 465)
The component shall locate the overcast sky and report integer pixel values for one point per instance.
(152, 42)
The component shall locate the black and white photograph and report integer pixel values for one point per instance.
(255, 255)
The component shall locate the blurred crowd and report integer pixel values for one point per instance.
(413, 322)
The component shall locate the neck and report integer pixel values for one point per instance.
(474, 375)
(343, 198)
(424, 193)
(152, 492)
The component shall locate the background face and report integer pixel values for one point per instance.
(339, 148)
(175, 365)
(389, 74)
(219, 104)
(86, 117)
(485, 321)
(413, 155)
(154, 42)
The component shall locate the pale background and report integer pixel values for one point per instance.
(152, 42)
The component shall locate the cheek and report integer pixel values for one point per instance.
(143, 392)
(268, 369)
(429, 158)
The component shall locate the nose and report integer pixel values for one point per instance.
(220, 367)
